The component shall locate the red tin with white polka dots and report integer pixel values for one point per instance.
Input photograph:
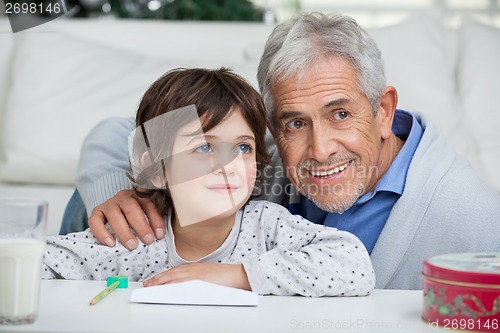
(462, 291)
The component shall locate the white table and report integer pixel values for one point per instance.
(64, 307)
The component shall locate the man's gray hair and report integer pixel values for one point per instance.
(313, 37)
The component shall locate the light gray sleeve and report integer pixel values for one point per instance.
(104, 161)
(75, 256)
(308, 259)
(79, 256)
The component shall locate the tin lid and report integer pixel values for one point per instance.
(483, 268)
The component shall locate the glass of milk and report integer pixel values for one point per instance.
(23, 225)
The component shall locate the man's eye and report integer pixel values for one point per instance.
(206, 148)
(294, 124)
(244, 148)
(341, 115)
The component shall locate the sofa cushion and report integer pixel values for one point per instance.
(416, 54)
(478, 74)
(62, 87)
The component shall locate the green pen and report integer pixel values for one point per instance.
(113, 282)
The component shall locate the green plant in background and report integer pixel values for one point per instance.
(219, 10)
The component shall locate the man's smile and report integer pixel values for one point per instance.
(330, 172)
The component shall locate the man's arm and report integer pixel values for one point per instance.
(104, 162)
(107, 192)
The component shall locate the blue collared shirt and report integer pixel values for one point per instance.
(367, 217)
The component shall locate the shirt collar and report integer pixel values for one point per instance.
(406, 127)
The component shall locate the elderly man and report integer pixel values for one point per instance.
(357, 162)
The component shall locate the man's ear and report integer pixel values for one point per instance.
(157, 181)
(386, 111)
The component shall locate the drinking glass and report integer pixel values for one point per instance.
(23, 227)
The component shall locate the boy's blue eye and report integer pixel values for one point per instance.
(206, 148)
(244, 148)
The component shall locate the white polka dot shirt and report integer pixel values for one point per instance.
(282, 254)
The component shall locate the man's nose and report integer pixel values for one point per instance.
(322, 143)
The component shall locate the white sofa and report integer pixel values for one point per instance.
(60, 79)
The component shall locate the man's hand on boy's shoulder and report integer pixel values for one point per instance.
(125, 212)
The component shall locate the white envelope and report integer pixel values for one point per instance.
(195, 292)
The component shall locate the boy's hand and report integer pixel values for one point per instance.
(126, 212)
(230, 275)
